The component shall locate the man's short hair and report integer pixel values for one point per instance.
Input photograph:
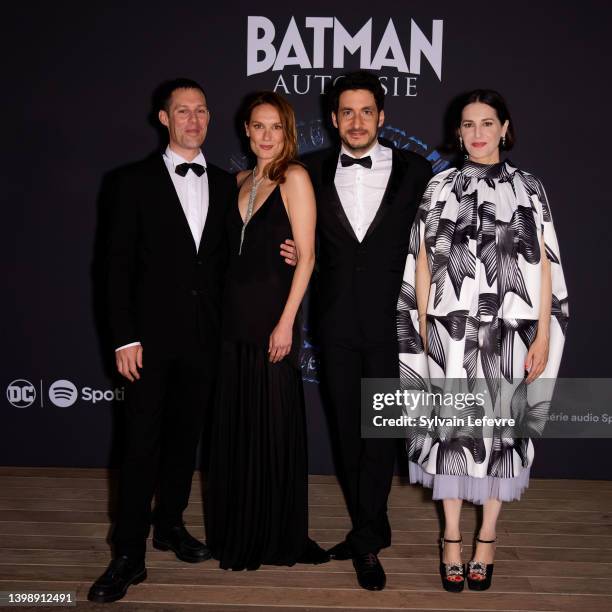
(164, 91)
(357, 80)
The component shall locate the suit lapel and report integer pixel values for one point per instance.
(398, 171)
(331, 193)
(213, 196)
(167, 195)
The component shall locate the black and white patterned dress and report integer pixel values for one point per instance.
(481, 227)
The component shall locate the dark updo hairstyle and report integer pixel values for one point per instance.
(493, 99)
(362, 79)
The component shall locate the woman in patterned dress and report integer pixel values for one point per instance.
(483, 305)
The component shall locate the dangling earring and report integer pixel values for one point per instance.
(503, 142)
(461, 148)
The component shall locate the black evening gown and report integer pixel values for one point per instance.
(257, 501)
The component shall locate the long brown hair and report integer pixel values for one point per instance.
(277, 168)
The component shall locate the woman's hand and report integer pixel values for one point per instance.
(537, 357)
(280, 341)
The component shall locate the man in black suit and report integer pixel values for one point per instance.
(367, 197)
(166, 262)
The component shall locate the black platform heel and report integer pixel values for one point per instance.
(452, 574)
(479, 575)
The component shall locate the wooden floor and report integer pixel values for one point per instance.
(554, 551)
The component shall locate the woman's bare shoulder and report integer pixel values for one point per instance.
(242, 176)
(296, 174)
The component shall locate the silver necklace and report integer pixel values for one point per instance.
(249, 212)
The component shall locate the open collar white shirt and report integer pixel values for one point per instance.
(361, 190)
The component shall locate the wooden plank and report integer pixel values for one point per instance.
(54, 516)
(165, 607)
(91, 530)
(70, 505)
(88, 606)
(123, 606)
(18, 494)
(422, 599)
(54, 524)
(503, 539)
(322, 479)
(469, 524)
(339, 519)
(40, 493)
(292, 578)
(53, 482)
(99, 559)
(94, 558)
(321, 530)
(519, 511)
(97, 499)
(200, 607)
(145, 593)
(576, 510)
(343, 598)
(404, 551)
(56, 472)
(12, 518)
(168, 607)
(538, 489)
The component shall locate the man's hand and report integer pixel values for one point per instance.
(289, 252)
(129, 360)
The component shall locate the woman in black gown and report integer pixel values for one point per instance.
(257, 502)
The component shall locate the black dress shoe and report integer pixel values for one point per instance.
(114, 582)
(314, 554)
(370, 573)
(181, 543)
(340, 552)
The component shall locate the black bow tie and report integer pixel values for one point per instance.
(347, 160)
(183, 169)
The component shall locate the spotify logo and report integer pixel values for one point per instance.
(63, 393)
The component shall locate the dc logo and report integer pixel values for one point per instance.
(63, 393)
(21, 393)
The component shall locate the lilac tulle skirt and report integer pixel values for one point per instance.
(469, 488)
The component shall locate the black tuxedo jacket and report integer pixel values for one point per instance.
(161, 291)
(358, 283)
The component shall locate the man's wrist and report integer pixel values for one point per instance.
(119, 348)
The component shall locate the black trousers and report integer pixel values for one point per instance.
(365, 467)
(164, 414)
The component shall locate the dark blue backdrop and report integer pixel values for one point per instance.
(77, 92)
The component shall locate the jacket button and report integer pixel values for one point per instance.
(199, 262)
(194, 292)
(359, 269)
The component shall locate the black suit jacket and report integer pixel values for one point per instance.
(161, 291)
(358, 283)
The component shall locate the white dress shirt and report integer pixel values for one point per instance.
(192, 192)
(361, 189)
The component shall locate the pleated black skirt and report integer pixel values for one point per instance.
(257, 488)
